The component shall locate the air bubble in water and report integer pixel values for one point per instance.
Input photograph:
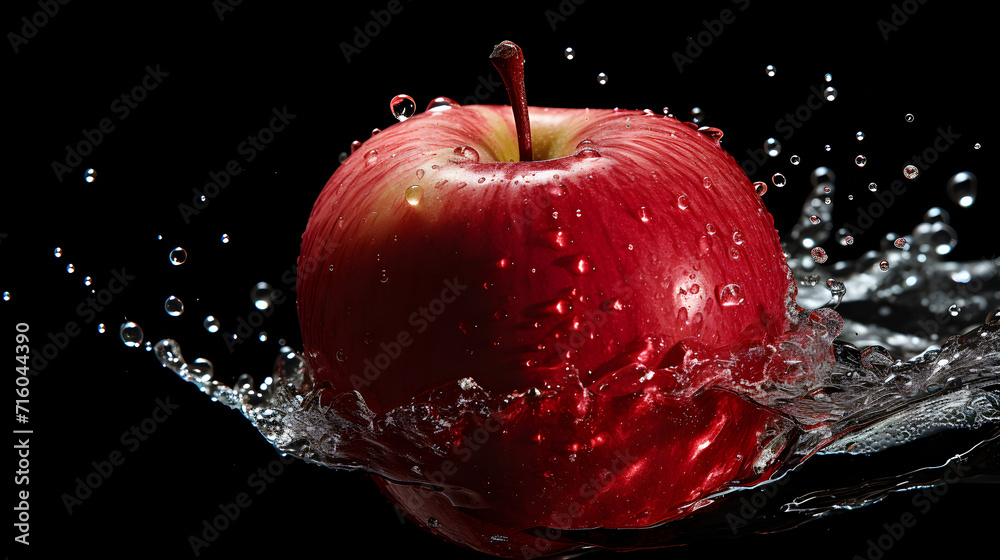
(173, 306)
(131, 334)
(569, 53)
(911, 172)
(413, 195)
(760, 187)
(262, 295)
(772, 146)
(962, 188)
(602, 78)
(178, 256)
(860, 161)
(211, 324)
(770, 70)
(778, 179)
(402, 107)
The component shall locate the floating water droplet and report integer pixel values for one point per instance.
(849, 240)
(770, 70)
(70, 268)
(101, 329)
(795, 160)
(860, 161)
(730, 295)
(911, 172)
(178, 256)
(909, 117)
(772, 146)
(962, 188)
(828, 77)
(760, 187)
(131, 334)
(262, 295)
(872, 186)
(402, 107)
(90, 175)
(173, 306)
(697, 115)
(569, 53)
(225, 238)
(976, 146)
(413, 195)
(211, 324)
(830, 93)
(954, 310)
(814, 219)
(88, 281)
(883, 265)
(899, 243)
(819, 255)
(342, 157)
(827, 148)
(57, 252)
(860, 136)
(441, 104)
(262, 337)
(778, 179)
(6, 296)
(602, 78)
(200, 370)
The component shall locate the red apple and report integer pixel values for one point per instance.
(563, 269)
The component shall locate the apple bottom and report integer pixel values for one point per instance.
(627, 462)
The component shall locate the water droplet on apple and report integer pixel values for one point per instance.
(962, 188)
(577, 264)
(178, 256)
(376, 131)
(131, 334)
(555, 307)
(402, 107)
(760, 188)
(467, 152)
(819, 255)
(713, 133)
(644, 214)
(588, 153)
(355, 145)
(569, 53)
(737, 237)
(602, 78)
(481, 180)
(211, 324)
(262, 295)
(705, 244)
(173, 306)
(441, 104)
(911, 172)
(383, 276)
(860, 161)
(772, 147)
(706, 182)
(413, 194)
(730, 295)
(420, 174)
(683, 202)
(371, 157)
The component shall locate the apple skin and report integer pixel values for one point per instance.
(556, 285)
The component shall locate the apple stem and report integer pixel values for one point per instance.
(509, 61)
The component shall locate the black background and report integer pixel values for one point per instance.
(226, 74)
